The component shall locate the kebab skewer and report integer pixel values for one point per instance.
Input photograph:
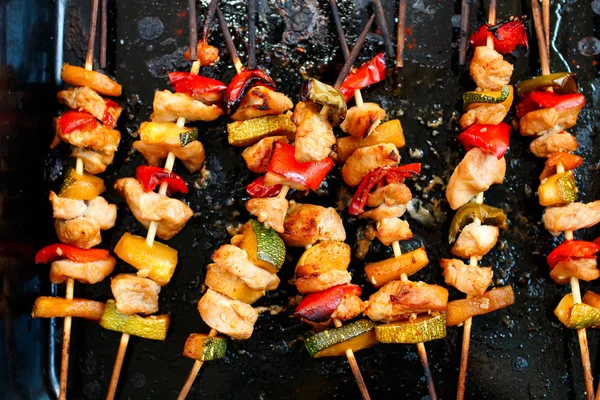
(475, 227)
(80, 212)
(550, 104)
(422, 257)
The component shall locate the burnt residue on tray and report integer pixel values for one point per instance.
(518, 353)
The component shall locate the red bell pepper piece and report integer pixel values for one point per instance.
(257, 189)
(319, 306)
(62, 251)
(491, 138)
(74, 120)
(536, 100)
(391, 175)
(572, 249)
(567, 160)
(309, 174)
(150, 177)
(241, 83)
(107, 118)
(369, 73)
(195, 85)
(508, 35)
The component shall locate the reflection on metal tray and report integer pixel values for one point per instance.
(518, 353)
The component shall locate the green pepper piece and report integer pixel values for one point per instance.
(562, 82)
(469, 212)
(153, 327)
(325, 95)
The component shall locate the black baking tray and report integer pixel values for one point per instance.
(518, 353)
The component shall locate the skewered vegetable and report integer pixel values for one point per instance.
(367, 74)
(196, 86)
(309, 174)
(572, 249)
(387, 132)
(201, 347)
(264, 246)
(460, 310)
(327, 96)
(150, 177)
(558, 190)
(322, 257)
(560, 82)
(319, 306)
(220, 280)
(81, 186)
(473, 211)
(246, 133)
(154, 327)
(356, 336)
(258, 188)
(576, 316)
(167, 133)
(507, 35)
(241, 83)
(65, 251)
(101, 83)
(491, 138)
(470, 99)
(422, 329)
(56, 307)
(382, 272)
(567, 161)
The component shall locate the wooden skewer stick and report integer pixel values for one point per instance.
(237, 63)
(210, 13)
(103, 32)
(465, 10)
(252, 34)
(400, 35)
(546, 19)
(387, 40)
(193, 373)
(193, 32)
(542, 34)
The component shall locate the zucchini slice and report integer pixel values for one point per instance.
(423, 329)
(154, 327)
(264, 246)
(246, 133)
(324, 257)
(201, 347)
(334, 342)
(558, 190)
(488, 97)
(81, 187)
(167, 133)
(576, 316)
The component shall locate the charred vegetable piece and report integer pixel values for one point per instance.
(325, 95)
(319, 306)
(558, 190)
(469, 212)
(323, 257)
(461, 310)
(72, 121)
(157, 262)
(78, 76)
(592, 299)
(576, 316)
(246, 133)
(568, 161)
(487, 97)
(241, 83)
(263, 245)
(309, 174)
(538, 100)
(153, 327)
(195, 86)
(81, 186)
(423, 329)
(201, 347)
(387, 132)
(381, 272)
(61, 251)
(258, 188)
(572, 249)
(369, 73)
(150, 177)
(230, 285)
(57, 307)
(561, 82)
(163, 132)
(356, 335)
(491, 138)
(507, 35)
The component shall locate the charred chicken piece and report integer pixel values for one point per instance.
(553, 142)
(94, 162)
(271, 211)
(135, 295)
(367, 159)
(361, 120)
(98, 138)
(488, 69)
(390, 195)
(168, 107)
(85, 98)
(489, 114)
(258, 156)
(319, 281)
(572, 217)
(468, 279)
(261, 101)
(307, 224)
(581, 268)
(548, 119)
(314, 138)
(235, 261)
(475, 240)
(351, 306)
(390, 230)
(230, 317)
(87, 273)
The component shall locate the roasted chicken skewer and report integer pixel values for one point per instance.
(80, 212)
(475, 227)
(550, 104)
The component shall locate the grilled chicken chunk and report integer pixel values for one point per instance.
(384, 211)
(397, 300)
(361, 120)
(302, 110)
(86, 99)
(135, 295)
(489, 70)
(170, 214)
(270, 211)
(539, 121)
(235, 261)
(258, 156)
(475, 240)
(314, 138)
(390, 195)
(93, 162)
(475, 173)
(322, 280)
(553, 142)
(191, 155)
(572, 217)
(581, 268)
(230, 317)
(467, 278)
(261, 101)
(99, 138)
(168, 107)
(350, 307)
(307, 224)
(87, 273)
(491, 114)
(367, 159)
(79, 222)
(391, 229)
